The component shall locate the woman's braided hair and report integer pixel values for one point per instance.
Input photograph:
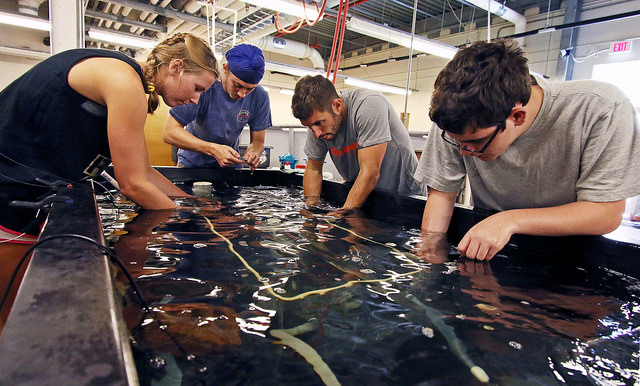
(192, 50)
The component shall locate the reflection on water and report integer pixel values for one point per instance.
(253, 287)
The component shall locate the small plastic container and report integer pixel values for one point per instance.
(202, 188)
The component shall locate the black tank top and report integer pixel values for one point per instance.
(48, 130)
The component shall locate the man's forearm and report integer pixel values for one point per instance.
(256, 145)
(182, 139)
(438, 211)
(362, 187)
(312, 183)
(576, 218)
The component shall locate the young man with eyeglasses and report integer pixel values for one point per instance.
(553, 158)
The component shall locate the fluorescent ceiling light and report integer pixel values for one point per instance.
(351, 81)
(23, 53)
(289, 7)
(291, 70)
(25, 21)
(401, 38)
(121, 39)
(357, 82)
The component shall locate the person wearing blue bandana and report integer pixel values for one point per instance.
(206, 134)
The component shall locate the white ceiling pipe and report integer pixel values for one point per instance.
(289, 47)
(29, 7)
(500, 10)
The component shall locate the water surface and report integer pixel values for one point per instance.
(227, 277)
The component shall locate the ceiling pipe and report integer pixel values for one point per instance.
(500, 10)
(291, 48)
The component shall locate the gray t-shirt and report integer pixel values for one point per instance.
(371, 120)
(583, 145)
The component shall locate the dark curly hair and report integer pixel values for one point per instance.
(480, 86)
(312, 93)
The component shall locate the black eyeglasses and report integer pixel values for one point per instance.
(499, 127)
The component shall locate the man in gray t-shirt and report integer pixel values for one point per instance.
(556, 158)
(362, 133)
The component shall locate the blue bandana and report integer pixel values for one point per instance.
(246, 62)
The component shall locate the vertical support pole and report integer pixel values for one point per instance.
(292, 141)
(67, 25)
(564, 67)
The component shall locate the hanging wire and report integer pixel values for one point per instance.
(453, 12)
(489, 21)
(473, 15)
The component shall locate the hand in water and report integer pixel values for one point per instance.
(433, 248)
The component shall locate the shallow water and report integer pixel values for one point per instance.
(225, 274)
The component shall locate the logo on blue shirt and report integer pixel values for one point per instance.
(243, 116)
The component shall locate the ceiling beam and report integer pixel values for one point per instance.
(124, 20)
(171, 14)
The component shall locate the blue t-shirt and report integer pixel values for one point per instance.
(219, 119)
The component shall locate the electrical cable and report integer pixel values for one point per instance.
(114, 258)
(32, 169)
(23, 182)
(105, 249)
(320, 12)
(113, 200)
(335, 38)
(344, 24)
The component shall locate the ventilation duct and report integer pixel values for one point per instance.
(500, 10)
(290, 48)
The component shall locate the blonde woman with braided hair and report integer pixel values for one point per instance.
(81, 105)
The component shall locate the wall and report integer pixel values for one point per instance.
(159, 151)
(593, 41)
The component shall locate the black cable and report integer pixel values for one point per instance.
(46, 173)
(23, 182)
(107, 251)
(113, 201)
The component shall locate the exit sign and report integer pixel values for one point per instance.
(619, 47)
